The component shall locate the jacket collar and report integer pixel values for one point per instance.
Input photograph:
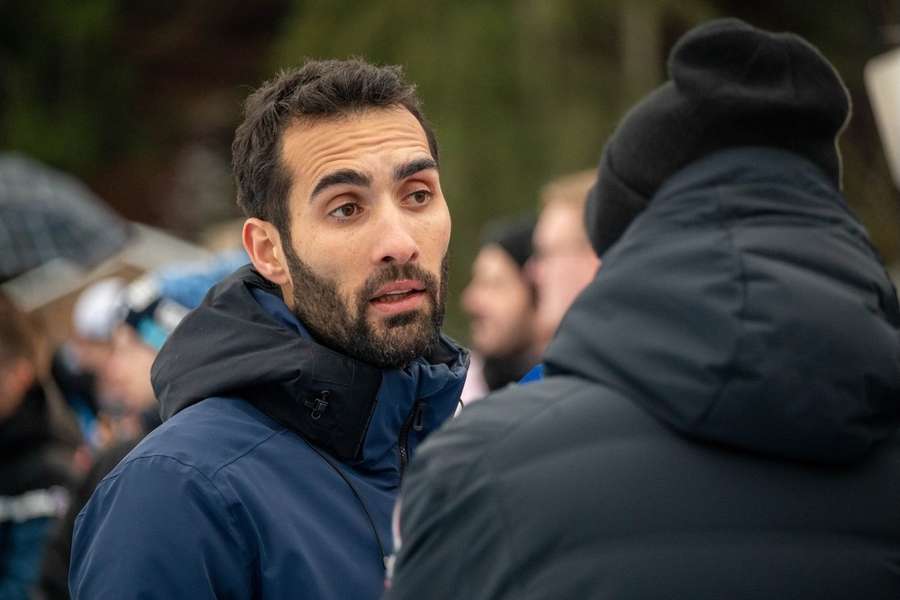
(243, 341)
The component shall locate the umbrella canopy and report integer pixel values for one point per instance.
(46, 214)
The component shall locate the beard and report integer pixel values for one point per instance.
(346, 328)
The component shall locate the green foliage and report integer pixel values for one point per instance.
(63, 96)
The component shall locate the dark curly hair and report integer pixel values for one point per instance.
(318, 89)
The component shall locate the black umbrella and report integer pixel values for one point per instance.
(46, 214)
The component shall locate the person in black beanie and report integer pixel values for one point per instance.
(720, 407)
(500, 301)
(730, 85)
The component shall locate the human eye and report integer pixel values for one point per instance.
(346, 211)
(419, 197)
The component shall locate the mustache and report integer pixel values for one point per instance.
(394, 272)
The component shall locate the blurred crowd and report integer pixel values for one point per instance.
(524, 277)
(75, 399)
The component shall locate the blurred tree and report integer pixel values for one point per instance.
(54, 65)
(128, 95)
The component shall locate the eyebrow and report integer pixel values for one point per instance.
(340, 177)
(413, 167)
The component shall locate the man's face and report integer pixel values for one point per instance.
(499, 303)
(369, 232)
(563, 262)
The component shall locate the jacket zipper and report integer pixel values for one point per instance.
(416, 422)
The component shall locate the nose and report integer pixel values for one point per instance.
(395, 242)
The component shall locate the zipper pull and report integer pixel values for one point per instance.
(419, 417)
(318, 405)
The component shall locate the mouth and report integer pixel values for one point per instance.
(398, 296)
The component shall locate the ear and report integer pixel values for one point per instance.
(263, 244)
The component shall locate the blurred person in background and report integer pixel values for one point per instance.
(720, 410)
(153, 306)
(294, 396)
(500, 303)
(563, 262)
(148, 311)
(38, 438)
(98, 310)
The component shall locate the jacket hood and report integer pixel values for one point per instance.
(244, 342)
(746, 307)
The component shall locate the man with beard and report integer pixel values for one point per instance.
(293, 397)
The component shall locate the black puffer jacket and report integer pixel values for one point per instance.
(719, 417)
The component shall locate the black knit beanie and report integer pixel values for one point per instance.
(513, 235)
(729, 85)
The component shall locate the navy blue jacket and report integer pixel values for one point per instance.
(275, 471)
(718, 417)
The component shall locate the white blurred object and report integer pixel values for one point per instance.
(882, 76)
(99, 308)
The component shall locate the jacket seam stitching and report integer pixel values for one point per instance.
(741, 313)
(278, 431)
